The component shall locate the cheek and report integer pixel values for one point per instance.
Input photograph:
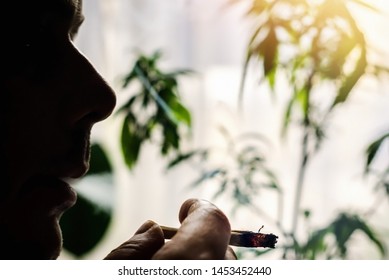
(32, 127)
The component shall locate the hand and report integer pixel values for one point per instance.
(204, 234)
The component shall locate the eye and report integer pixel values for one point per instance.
(76, 24)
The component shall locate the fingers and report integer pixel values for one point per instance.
(145, 242)
(230, 254)
(204, 233)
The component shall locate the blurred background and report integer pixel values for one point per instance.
(299, 148)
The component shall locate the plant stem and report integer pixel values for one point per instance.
(300, 180)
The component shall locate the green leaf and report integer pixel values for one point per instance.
(222, 188)
(373, 149)
(273, 186)
(158, 98)
(99, 162)
(343, 228)
(271, 78)
(386, 188)
(288, 115)
(207, 175)
(127, 106)
(303, 98)
(171, 138)
(174, 74)
(362, 225)
(345, 225)
(130, 143)
(181, 113)
(269, 47)
(240, 196)
(316, 243)
(351, 80)
(129, 78)
(83, 226)
(154, 94)
(307, 213)
(183, 157)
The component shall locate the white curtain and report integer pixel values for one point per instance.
(210, 38)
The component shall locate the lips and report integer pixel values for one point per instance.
(77, 157)
(48, 195)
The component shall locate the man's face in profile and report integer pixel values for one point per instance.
(53, 96)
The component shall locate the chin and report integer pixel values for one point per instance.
(49, 241)
(37, 240)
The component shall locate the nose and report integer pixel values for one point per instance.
(91, 98)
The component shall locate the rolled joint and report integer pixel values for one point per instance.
(238, 238)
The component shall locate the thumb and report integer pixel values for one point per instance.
(146, 241)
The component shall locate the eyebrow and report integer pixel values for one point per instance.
(76, 24)
(71, 12)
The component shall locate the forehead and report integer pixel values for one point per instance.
(20, 19)
(30, 10)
